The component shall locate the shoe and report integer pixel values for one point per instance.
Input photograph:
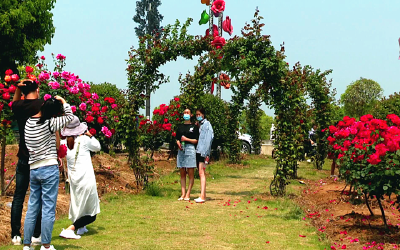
(69, 234)
(16, 240)
(28, 248)
(50, 248)
(36, 241)
(186, 199)
(199, 200)
(180, 199)
(82, 231)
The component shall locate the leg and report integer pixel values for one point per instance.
(83, 221)
(33, 207)
(50, 180)
(22, 183)
(183, 182)
(191, 181)
(202, 173)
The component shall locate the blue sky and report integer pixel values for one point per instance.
(357, 38)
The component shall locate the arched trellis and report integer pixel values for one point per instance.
(251, 62)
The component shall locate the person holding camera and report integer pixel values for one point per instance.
(40, 140)
(84, 204)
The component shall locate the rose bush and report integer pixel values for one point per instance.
(368, 154)
(101, 114)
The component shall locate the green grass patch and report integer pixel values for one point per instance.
(239, 214)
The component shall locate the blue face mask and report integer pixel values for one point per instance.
(186, 117)
(199, 118)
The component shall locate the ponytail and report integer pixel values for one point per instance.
(70, 142)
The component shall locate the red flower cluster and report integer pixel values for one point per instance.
(62, 151)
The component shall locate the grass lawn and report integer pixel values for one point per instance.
(240, 214)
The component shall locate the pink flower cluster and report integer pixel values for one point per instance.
(106, 131)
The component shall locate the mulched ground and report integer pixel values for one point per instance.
(345, 219)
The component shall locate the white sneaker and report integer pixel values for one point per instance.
(69, 234)
(36, 241)
(16, 240)
(199, 200)
(28, 248)
(82, 231)
(43, 248)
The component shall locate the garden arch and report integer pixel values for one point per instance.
(252, 63)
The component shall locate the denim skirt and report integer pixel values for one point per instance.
(187, 157)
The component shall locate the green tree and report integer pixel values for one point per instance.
(147, 17)
(360, 97)
(25, 28)
(266, 122)
(386, 106)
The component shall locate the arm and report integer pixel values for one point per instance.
(92, 143)
(193, 141)
(62, 121)
(17, 94)
(208, 138)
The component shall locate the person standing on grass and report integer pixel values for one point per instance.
(84, 204)
(23, 109)
(187, 135)
(203, 150)
(40, 139)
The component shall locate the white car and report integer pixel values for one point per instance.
(247, 145)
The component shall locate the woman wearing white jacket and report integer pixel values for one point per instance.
(84, 204)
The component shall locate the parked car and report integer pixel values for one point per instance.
(247, 146)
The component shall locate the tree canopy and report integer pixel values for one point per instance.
(360, 97)
(25, 28)
(149, 19)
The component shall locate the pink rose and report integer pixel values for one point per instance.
(95, 96)
(43, 58)
(46, 97)
(54, 85)
(56, 74)
(82, 106)
(15, 77)
(227, 26)
(60, 57)
(73, 108)
(114, 106)
(43, 76)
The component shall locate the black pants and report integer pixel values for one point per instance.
(22, 183)
(83, 221)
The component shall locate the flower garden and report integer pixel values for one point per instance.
(366, 151)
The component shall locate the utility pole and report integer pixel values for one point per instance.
(148, 92)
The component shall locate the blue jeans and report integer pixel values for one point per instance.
(22, 183)
(44, 191)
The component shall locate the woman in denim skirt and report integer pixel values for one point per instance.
(187, 136)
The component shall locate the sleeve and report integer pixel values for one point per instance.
(92, 144)
(178, 133)
(58, 123)
(16, 108)
(209, 137)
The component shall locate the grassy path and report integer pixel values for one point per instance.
(239, 215)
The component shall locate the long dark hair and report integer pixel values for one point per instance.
(50, 108)
(202, 111)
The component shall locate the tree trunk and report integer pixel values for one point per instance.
(3, 156)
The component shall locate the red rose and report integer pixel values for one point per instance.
(173, 134)
(92, 131)
(9, 72)
(62, 151)
(227, 26)
(176, 99)
(95, 108)
(7, 78)
(6, 96)
(178, 106)
(111, 100)
(112, 131)
(215, 31)
(1, 86)
(32, 77)
(100, 120)
(218, 42)
(218, 6)
(154, 122)
(28, 69)
(104, 109)
(87, 95)
(89, 119)
(165, 120)
(15, 77)
(12, 89)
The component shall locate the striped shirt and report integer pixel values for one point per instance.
(40, 139)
